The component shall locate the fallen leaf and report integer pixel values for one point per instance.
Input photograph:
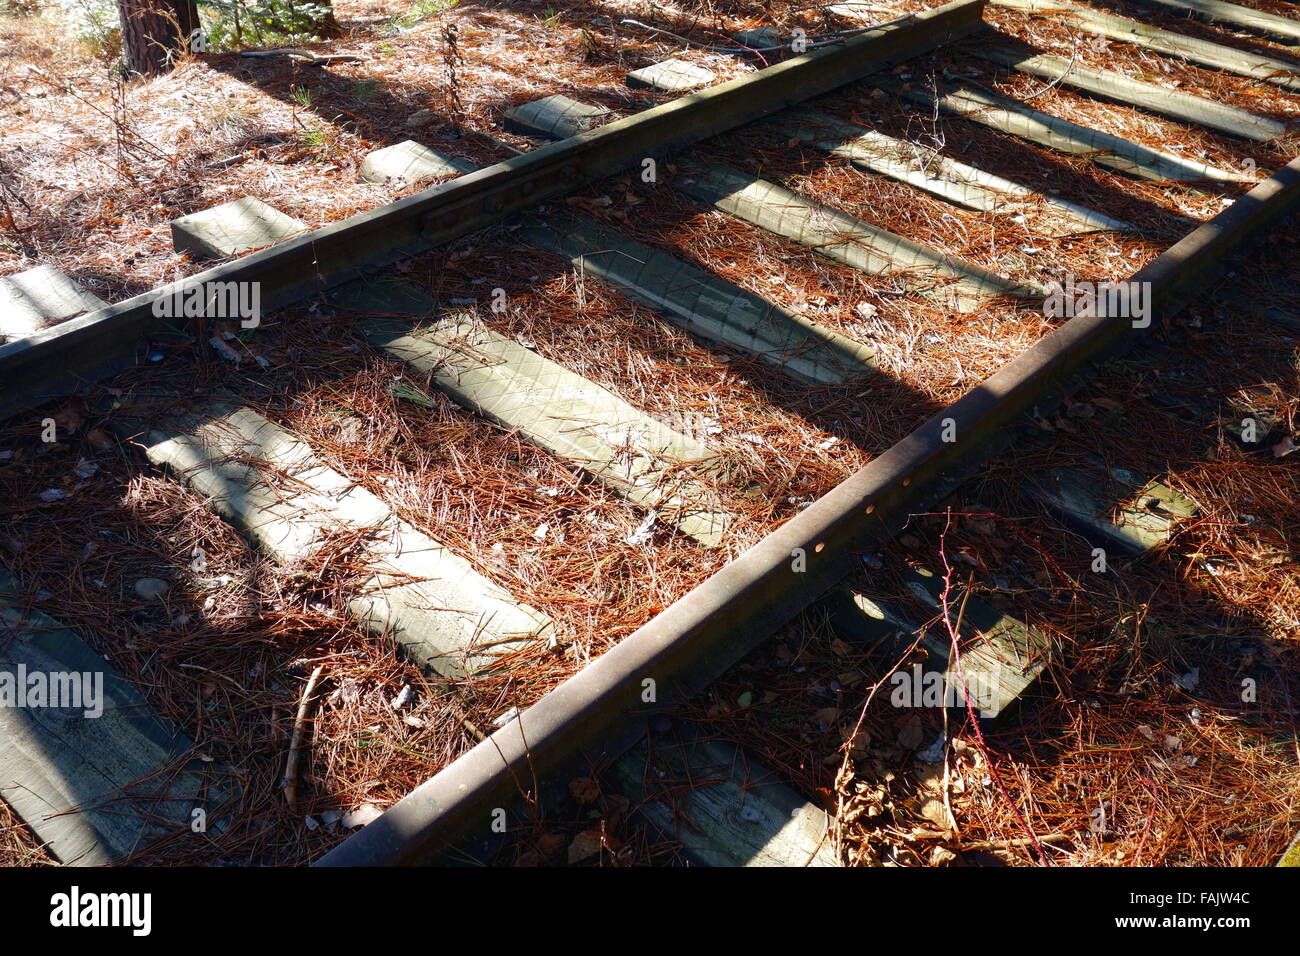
(934, 811)
(942, 856)
(99, 439)
(584, 846)
(551, 845)
(827, 715)
(911, 735)
(71, 416)
(584, 789)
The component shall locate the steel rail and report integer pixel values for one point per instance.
(51, 363)
(599, 712)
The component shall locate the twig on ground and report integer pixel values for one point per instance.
(300, 730)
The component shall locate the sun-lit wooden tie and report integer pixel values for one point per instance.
(1218, 56)
(932, 171)
(1105, 149)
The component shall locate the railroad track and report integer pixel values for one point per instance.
(135, 776)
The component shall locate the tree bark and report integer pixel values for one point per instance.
(154, 31)
(327, 26)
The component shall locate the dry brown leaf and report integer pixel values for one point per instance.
(585, 845)
(584, 789)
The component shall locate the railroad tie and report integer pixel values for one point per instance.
(1001, 656)
(90, 769)
(1009, 116)
(1232, 14)
(723, 807)
(1291, 855)
(949, 282)
(731, 822)
(929, 170)
(852, 10)
(1281, 314)
(762, 38)
(1255, 428)
(565, 415)
(701, 302)
(232, 229)
(670, 76)
(1112, 504)
(1193, 49)
(31, 300)
(407, 162)
(1108, 84)
(554, 117)
(271, 486)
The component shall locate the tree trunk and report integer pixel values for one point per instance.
(153, 31)
(327, 26)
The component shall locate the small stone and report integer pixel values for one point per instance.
(361, 816)
(421, 118)
(934, 752)
(151, 589)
